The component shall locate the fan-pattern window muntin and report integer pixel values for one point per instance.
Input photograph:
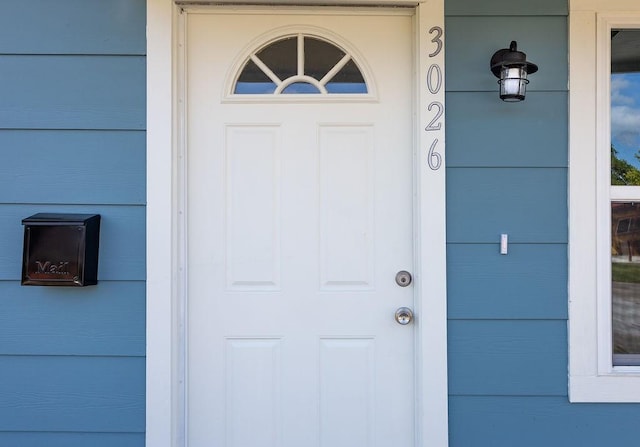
(300, 64)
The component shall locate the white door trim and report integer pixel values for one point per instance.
(166, 240)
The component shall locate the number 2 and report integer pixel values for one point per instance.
(432, 124)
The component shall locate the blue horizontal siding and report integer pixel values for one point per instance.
(52, 439)
(72, 120)
(483, 131)
(73, 27)
(539, 421)
(507, 173)
(528, 204)
(122, 239)
(107, 319)
(505, 7)
(527, 357)
(530, 282)
(72, 394)
(471, 41)
(74, 167)
(73, 92)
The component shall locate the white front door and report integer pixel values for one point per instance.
(299, 217)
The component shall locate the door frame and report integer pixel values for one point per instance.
(166, 238)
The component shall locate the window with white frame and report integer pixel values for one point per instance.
(604, 197)
(300, 64)
(624, 96)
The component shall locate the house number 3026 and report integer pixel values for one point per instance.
(436, 108)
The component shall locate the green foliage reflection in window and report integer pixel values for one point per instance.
(623, 172)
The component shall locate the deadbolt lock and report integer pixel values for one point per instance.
(403, 278)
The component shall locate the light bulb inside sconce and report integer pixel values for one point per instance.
(513, 84)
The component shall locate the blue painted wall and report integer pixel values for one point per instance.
(507, 173)
(72, 137)
(72, 120)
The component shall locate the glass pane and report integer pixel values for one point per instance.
(281, 57)
(300, 87)
(625, 276)
(625, 107)
(252, 80)
(320, 57)
(347, 80)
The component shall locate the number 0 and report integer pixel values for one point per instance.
(434, 68)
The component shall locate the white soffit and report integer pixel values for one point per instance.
(347, 3)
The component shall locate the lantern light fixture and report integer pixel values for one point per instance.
(511, 68)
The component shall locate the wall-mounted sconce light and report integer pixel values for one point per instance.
(511, 67)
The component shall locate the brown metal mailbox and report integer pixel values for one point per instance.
(60, 249)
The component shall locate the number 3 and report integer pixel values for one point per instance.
(437, 40)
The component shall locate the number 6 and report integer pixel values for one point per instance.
(434, 159)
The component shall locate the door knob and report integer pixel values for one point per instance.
(404, 315)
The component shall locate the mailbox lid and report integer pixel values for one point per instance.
(61, 219)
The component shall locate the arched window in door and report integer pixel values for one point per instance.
(300, 64)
